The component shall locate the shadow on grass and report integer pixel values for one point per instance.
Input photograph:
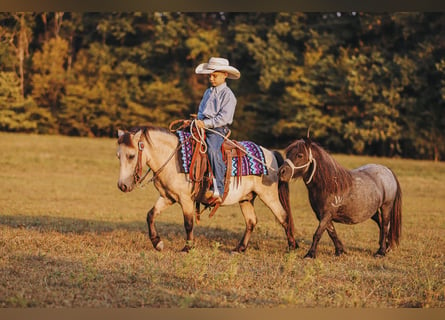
(66, 225)
(226, 237)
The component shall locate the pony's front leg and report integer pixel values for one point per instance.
(161, 204)
(339, 249)
(317, 235)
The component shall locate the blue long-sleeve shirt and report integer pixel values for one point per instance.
(217, 106)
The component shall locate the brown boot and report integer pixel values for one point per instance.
(218, 199)
(209, 195)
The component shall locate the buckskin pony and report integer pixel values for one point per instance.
(346, 196)
(158, 149)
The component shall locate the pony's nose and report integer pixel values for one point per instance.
(122, 186)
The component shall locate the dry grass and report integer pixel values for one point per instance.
(70, 238)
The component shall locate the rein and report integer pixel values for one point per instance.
(311, 160)
(201, 136)
(138, 170)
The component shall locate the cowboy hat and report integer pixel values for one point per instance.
(218, 64)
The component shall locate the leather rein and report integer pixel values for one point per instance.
(138, 169)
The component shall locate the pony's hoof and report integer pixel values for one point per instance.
(309, 256)
(340, 253)
(160, 246)
(239, 249)
(378, 254)
(189, 244)
(186, 249)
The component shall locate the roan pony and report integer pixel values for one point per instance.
(345, 196)
(159, 152)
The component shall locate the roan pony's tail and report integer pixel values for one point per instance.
(283, 192)
(395, 226)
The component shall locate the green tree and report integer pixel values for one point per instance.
(49, 76)
(377, 95)
(19, 114)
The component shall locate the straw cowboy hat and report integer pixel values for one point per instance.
(218, 64)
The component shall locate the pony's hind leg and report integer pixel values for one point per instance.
(377, 217)
(248, 211)
(339, 249)
(161, 204)
(283, 217)
(188, 212)
(382, 218)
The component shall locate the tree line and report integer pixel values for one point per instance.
(364, 83)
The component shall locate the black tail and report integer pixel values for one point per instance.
(279, 157)
(395, 226)
(283, 192)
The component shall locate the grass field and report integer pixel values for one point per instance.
(70, 238)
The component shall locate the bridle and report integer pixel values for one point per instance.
(137, 179)
(307, 164)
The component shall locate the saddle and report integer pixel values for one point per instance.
(242, 158)
(201, 175)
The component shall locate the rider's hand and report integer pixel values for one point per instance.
(200, 124)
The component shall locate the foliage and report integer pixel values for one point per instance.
(364, 83)
(18, 114)
(49, 74)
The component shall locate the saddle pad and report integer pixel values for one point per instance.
(249, 165)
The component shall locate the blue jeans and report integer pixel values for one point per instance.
(214, 143)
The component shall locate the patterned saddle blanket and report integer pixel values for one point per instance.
(249, 165)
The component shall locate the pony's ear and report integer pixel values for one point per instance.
(120, 133)
(137, 136)
(308, 139)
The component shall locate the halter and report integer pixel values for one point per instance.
(138, 169)
(311, 159)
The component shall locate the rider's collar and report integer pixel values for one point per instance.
(219, 88)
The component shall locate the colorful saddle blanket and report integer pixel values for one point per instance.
(249, 165)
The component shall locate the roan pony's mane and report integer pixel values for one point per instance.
(126, 138)
(332, 177)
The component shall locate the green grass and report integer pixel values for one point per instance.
(70, 238)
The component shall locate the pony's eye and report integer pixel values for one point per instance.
(131, 156)
(300, 156)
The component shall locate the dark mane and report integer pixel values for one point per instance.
(329, 173)
(126, 138)
(148, 128)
